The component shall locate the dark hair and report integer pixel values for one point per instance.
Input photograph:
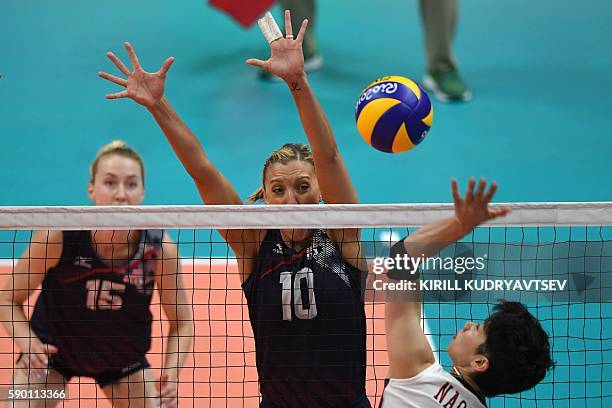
(517, 348)
(284, 155)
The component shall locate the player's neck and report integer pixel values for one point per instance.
(115, 245)
(296, 239)
(465, 378)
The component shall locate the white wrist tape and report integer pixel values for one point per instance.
(269, 28)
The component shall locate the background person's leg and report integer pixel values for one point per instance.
(301, 10)
(439, 24)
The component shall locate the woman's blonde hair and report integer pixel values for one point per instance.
(119, 148)
(284, 155)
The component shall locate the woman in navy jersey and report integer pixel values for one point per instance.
(303, 287)
(92, 316)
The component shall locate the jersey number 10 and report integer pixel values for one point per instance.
(295, 285)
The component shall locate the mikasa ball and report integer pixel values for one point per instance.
(393, 114)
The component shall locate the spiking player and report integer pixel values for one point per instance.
(508, 353)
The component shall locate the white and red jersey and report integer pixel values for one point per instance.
(433, 387)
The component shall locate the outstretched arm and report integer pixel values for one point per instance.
(408, 348)
(147, 89)
(287, 62)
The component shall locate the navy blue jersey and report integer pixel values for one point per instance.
(98, 316)
(308, 318)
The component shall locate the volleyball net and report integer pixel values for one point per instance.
(556, 258)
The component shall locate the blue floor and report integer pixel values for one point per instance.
(540, 122)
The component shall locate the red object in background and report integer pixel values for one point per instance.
(245, 12)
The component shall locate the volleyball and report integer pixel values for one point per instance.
(393, 114)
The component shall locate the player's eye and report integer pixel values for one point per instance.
(109, 183)
(304, 187)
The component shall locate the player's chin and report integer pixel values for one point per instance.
(453, 342)
(451, 350)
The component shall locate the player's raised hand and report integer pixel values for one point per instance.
(473, 209)
(287, 59)
(145, 88)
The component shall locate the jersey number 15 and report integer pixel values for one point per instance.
(103, 295)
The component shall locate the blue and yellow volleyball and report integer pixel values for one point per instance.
(393, 114)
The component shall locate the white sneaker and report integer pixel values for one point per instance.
(313, 63)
